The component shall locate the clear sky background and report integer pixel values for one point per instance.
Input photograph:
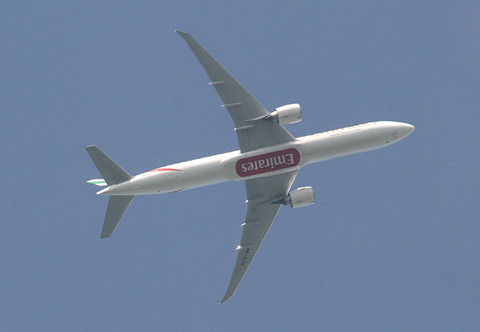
(392, 243)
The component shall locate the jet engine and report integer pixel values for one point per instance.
(300, 197)
(291, 113)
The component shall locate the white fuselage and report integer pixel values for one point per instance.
(266, 161)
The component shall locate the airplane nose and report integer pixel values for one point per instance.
(398, 131)
(406, 129)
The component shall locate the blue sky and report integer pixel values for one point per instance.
(392, 242)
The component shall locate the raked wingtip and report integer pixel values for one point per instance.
(181, 33)
(225, 298)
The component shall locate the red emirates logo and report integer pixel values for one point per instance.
(268, 162)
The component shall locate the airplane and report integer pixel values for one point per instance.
(268, 161)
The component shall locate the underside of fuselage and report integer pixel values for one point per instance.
(268, 161)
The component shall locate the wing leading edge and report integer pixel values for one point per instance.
(261, 212)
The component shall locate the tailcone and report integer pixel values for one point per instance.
(103, 191)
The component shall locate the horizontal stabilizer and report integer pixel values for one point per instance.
(111, 172)
(117, 205)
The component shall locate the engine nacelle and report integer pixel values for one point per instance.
(300, 197)
(287, 114)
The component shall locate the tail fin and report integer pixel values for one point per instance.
(113, 174)
(98, 182)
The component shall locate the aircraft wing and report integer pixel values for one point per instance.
(244, 109)
(261, 212)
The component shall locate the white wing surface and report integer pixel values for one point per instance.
(244, 109)
(261, 193)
